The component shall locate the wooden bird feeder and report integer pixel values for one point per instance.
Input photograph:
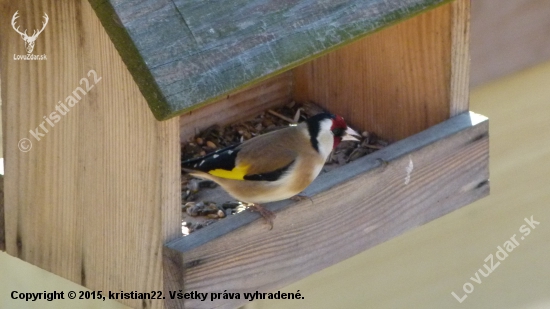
(97, 199)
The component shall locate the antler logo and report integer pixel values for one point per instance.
(29, 40)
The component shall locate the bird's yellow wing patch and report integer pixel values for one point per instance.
(238, 172)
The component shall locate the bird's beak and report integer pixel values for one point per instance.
(349, 135)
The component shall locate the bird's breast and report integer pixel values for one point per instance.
(303, 174)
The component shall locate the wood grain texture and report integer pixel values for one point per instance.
(373, 202)
(94, 200)
(508, 36)
(174, 280)
(395, 83)
(460, 58)
(249, 102)
(193, 52)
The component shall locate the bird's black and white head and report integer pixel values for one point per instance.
(327, 131)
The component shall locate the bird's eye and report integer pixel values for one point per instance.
(337, 131)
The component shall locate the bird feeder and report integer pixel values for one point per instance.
(97, 199)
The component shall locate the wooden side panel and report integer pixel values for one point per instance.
(95, 198)
(351, 209)
(275, 91)
(398, 81)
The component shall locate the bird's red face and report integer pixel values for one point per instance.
(341, 131)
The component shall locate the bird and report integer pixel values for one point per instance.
(274, 166)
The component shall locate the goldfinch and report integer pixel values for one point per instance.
(276, 165)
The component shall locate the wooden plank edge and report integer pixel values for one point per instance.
(448, 174)
(131, 58)
(173, 277)
(2, 223)
(460, 57)
(328, 180)
(4, 107)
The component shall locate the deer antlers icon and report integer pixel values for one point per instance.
(29, 40)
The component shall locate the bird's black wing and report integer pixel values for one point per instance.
(222, 163)
(223, 159)
(269, 176)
